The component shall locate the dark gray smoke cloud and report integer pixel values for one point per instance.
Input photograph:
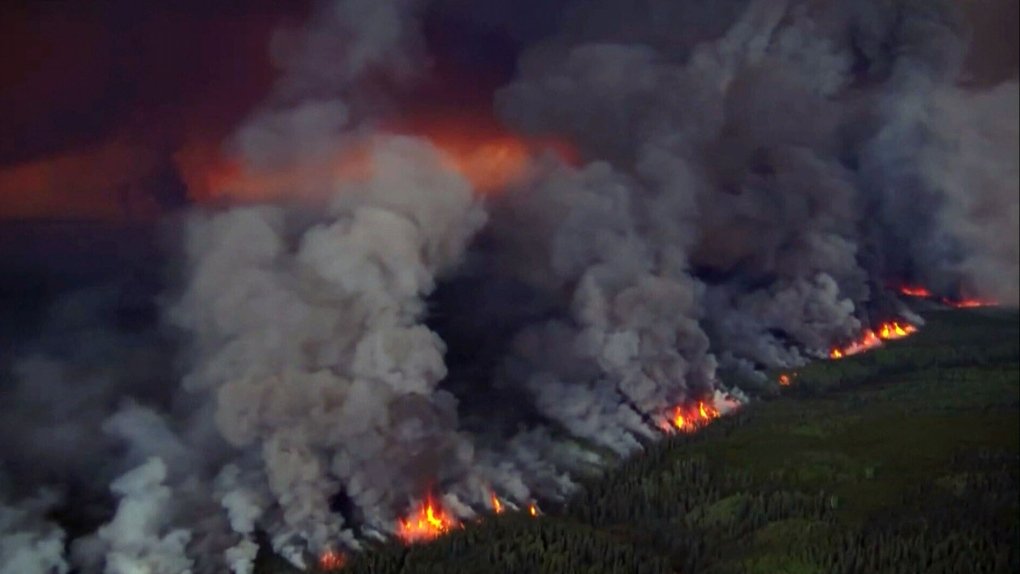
(754, 176)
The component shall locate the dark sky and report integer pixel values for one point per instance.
(101, 100)
(100, 97)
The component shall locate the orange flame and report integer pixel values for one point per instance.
(867, 341)
(871, 339)
(429, 522)
(785, 380)
(895, 330)
(332, 560)
(533, 510)
(690, 418)
(497, 506)
(915, 291)
(968, 303)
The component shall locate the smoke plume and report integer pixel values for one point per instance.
(354, 327)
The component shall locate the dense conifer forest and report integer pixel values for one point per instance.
(904, 459)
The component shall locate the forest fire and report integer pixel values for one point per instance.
(785, 380)
(895, 330)
(915, 291)
(332, 560)
(497, 506)
(965, 303)
(533, 510)
(690, 418)
(870, 339)
(429, 522)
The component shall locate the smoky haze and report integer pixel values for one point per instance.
(344, 320)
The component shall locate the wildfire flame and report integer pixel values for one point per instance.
(427, 523)
(497, 506)
(965, 303)
(785, 380)
(915, 291)
(689, 418)
(332, 560)
(871, 339)
(895, 330)
(533, 510)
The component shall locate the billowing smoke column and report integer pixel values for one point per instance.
(308, 337)
(753, 176)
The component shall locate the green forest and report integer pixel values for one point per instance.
(902, 459)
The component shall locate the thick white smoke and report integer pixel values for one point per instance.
(753, 175)
(30, 544)
(308, 336)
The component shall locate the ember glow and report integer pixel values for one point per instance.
(533, 510)
(690, 418)
(968, 303)
(871, 339)
(331, 560)
(785, 380)
(429, 522)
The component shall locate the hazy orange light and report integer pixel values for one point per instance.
(97, 183)
(969, 303)
(332, 560)
(488, 156)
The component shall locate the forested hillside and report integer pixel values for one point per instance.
(903, 459)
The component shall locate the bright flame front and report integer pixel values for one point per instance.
(497, 506)
(689, 418)
(871, 339)
(895, 330)
(427, 523)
